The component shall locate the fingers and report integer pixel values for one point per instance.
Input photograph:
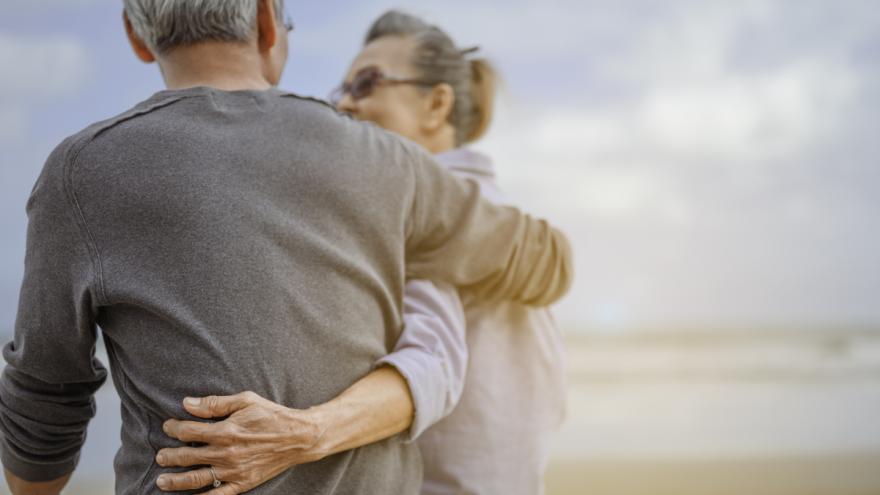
(186, 457)
(199, 478)
(190, 480)
(218, 406)
(191, 431)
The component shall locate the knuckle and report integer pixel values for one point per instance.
(233, 452)
(221, 432)
(228, 430)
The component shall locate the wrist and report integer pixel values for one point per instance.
(307, 431)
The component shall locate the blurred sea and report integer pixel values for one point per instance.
(716, 413)
(702, 413)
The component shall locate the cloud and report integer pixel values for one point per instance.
(700, 171)
(41, 4)
(750, 118)
(13, 124)
(570, 164)
(41, 67)
(37, 70)
(697, 98)
(687, 105)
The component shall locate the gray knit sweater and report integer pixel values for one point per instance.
(231, 241)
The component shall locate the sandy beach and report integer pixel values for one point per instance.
(844, 474)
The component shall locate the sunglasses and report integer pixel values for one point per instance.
(365, 81)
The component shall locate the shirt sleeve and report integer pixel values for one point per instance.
(47, 386)
(495, 252)
(431, 352)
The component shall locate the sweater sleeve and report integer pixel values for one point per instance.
(495, 252)
(47, 386)
(431, 352)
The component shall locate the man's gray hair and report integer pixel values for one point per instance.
(165, 24)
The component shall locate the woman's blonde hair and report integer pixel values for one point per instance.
(438, 61)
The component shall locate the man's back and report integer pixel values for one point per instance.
(242, 244)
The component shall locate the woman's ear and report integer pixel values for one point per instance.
(137, 44)
(439, 103)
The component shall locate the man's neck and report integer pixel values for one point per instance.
(221, 65)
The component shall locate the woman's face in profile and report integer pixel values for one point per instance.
(400, 108)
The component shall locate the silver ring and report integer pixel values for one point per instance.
(217, 482)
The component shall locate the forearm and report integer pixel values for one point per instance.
(42, 424)
(19, 486)
(538, 272)
(270, 438)
(495, 252)
(431, 352)
(376, 407)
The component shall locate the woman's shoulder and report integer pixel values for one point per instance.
(467, 163)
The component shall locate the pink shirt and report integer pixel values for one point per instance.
(495, 439)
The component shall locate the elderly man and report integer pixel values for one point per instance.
(228, 237)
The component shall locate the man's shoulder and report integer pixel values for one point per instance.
(77, 141)
(320, 112)
(59, 166)
(319, 103)
(365, 136)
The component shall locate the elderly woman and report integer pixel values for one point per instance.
(412, 79)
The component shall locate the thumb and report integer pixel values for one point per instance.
(214, 406)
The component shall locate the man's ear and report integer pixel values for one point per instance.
(137, 44)
(439, 104)
(267, 25)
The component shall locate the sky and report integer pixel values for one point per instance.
(715, 163)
